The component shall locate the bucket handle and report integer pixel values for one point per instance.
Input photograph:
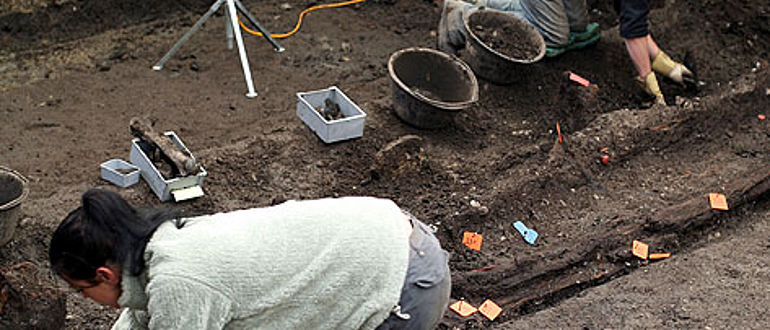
(24, 190)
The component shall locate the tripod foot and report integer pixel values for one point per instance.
(157, 67)
(251, 95)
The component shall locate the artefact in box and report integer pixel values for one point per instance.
(180, 188)
(314, 108)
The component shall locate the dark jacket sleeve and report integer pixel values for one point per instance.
(633, 17)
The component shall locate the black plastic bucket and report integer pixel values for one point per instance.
(430, 87)
(13, 191)
(491, 64)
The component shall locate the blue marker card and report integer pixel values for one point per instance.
(530, 235)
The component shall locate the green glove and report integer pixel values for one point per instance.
(650, 86)
(676, 71)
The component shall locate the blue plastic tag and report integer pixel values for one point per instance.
(530, 235)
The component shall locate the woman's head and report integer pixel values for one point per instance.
(98, 239)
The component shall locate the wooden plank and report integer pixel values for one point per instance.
(552, 274)
(182, 164)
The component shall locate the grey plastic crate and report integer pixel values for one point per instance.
(112, 171)
(161, 186)
(349, 127)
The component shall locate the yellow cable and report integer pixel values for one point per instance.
(299, 22)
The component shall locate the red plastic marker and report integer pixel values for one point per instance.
(579, 79)
(483, 269)
(605, 159)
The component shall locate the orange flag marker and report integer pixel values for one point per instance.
(490, 309)
(718, 202)
(472, 240)
(655, 256)
(640, 249)
(463, 308)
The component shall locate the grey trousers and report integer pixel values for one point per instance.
(428, 283)
(554, 19)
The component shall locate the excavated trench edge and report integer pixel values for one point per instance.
(615, 259)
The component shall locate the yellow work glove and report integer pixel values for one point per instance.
(650, 86)
(664, 65)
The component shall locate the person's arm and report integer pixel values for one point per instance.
(131, 320)
(451, 30)
(182, 303)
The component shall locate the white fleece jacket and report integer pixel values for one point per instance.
(322, 264)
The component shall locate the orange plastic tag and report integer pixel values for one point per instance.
(472, 240)
(718, 201)
(490, 309)
(558, 131)
(640, 250)
(463, 308)
(659, 255)
(579, 79)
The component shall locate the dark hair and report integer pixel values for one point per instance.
(105, 228)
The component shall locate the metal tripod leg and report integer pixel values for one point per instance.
(232, 31)
(228, 30)
(159, 66)
(241, 49)
(253, 21)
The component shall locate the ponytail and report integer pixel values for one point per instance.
(104, 229)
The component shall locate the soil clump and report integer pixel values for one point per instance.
(30, 298)
(330, 110)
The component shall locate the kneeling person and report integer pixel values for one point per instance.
(346, 263)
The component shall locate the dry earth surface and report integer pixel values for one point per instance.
(73, 73)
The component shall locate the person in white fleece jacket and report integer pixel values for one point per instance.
(344, 263)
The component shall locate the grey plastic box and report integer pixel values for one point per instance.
(349, 127)
(112, 171)
(163, 187)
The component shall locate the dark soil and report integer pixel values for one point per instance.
(510, 37)
(68, 100)
(30, 298)
(167, 172)
(126, 171)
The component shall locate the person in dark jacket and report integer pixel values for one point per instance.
(647, 57)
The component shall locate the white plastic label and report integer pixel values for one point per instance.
(187, 193)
